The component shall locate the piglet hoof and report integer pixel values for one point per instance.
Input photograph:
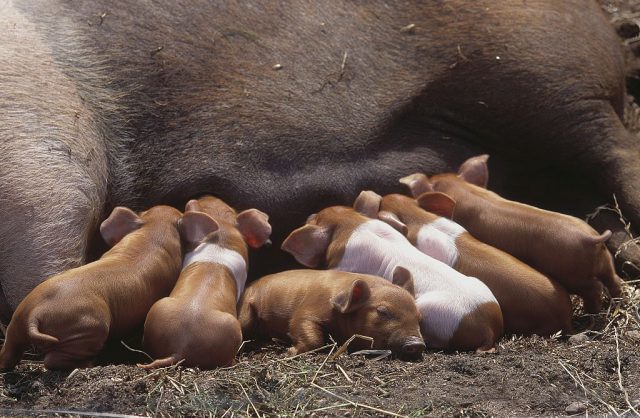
(292, 352)
(591, 324)
(484, 350)
(627, 259)
(593, 304)
(623, 243)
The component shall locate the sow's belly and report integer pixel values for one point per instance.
(292, 107)
(289, 183)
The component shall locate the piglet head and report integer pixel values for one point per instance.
(124, 221)
(321, 241)
(472, 173)
(212, 206)
(417, 183)
(438, 203)
(403, 212)
(250, 226)
(475, 171)
(387, 313)
(195, 227)
(369, 204)
(121, 222)
(254, 227)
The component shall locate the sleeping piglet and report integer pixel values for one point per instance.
(70, 316)
(562, 247)
(304, 306)
(457, 312)
(531, 303)
(197, 322)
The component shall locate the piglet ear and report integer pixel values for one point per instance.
(436, 202)
(254, 227)
(475, 170)
(368, 203)
(192, 206)
(195, 226)
(418, 183)
(393, 220)
(308, 244)
(403, 278)
(353, 299)
(121, 222)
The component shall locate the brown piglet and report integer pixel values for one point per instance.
(70, 316)
(197, 323)
(305, 306)
(562, 247)
(531, 303)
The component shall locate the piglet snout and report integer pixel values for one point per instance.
(413, 346)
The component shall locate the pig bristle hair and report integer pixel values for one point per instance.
(63, 157)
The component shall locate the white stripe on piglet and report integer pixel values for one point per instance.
(443, 295)
(438, 240)
(213, 253)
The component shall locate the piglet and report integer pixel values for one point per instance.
(531, 303)
(70, 316)
(304, 306)
(458, 312)
(197, 323)
(562, 247)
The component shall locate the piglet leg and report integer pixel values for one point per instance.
(162, 362)
(305, 334)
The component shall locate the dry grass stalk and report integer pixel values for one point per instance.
(248, 399)
(626, 394)
(323, 363)
(587, 391)
(357, 404)
(344, 373)
(344, 347)
(625, 223)
(33, 412)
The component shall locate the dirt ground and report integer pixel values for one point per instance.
(593, 372)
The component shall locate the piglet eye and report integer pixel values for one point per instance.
(384, 312)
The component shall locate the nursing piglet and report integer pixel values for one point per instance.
(197, 323)
(458, 312)
(305, 306)
(531, 303)
(562, 247)
(70, 316)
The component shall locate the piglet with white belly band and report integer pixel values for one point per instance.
(198, 322)
(531, 303)
(562, 247)
(457, 312)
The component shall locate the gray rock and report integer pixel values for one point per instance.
(579, 338)
(633, 334)
(577, 407)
